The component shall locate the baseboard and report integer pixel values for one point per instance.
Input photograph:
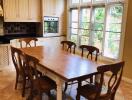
(127, 79)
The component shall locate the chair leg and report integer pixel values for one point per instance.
(17, 76)
(66, 84)
(49, 94)
(23, 88)
(91, 79)
(40, 96)
(30, 97)
(78, 97)
(113, 96)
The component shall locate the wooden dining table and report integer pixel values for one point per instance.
(60, 65)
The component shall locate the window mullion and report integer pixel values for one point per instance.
(90, 26)
(79, 21)
(105, 22)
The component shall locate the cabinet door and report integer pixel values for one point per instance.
(49, 7)
(35, 10)
(10, 10)
(23, 8)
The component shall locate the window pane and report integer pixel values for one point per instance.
(74, 38)
(99, 15)
(84, 40)
(74, 25)
(85, 16)
(74, 15)
(97, 39)
(84, 32)
(96, 1)
(75, 1)
(115, 14)
(85, 1)
(112, 0)
(115, 0)
(85, 25)
(114, 27)
(74, 31)
(112, 42)
(98, 26)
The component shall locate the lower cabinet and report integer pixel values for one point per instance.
(4, 55)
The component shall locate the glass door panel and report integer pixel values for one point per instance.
(84, 26)
(98, 27)
(113, 31)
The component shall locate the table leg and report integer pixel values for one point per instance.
(59, 90)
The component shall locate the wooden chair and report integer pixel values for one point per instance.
(97, 91)
(70, 46)
(91, 50)
(38, 84)
(27, 42)
(21, 73)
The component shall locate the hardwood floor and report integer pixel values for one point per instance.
(7, 91)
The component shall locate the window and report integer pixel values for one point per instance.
(97, 1)
(74, 25)
(113, 31)
(86, 1)
(74, 1)
(99, 23)
(98, 27)
(85, 26)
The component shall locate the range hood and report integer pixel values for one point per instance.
(1, 11)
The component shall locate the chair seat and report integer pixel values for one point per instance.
(44, 84)
(90, 91)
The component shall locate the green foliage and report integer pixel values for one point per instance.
(116, 11)
(99, 14)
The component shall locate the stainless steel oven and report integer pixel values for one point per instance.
(50, 25)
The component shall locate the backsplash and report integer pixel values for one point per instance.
(11, 28)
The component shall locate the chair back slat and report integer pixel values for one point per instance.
(31, 63)
(91, 50)
(28, 42)
(70, 46)
(15, 53)
(114, 72)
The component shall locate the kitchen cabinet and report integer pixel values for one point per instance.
(49, 7)
(10, 11)
(35, 10)
(4, 55)
(22, 10)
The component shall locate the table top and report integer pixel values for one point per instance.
(67, 66)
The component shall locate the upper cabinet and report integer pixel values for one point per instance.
(49, 7)
(35, 10)
(22, 10)
(10, 11)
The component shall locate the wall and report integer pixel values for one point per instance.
(127, 53)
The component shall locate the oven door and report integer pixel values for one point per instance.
(50, 26)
